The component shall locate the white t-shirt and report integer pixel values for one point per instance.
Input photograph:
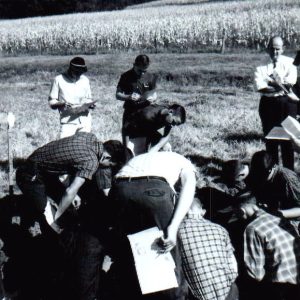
(74, 93)
(168, 165)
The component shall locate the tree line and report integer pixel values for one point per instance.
(13, 9)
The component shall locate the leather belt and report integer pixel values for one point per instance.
(129, 179)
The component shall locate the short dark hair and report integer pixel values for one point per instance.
(262, 163)
(179, 110)
(117, 151)
(231, 169)
(142, 60)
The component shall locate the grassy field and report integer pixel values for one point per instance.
(158, 26)
(217, 91)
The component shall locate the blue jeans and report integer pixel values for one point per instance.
(140, 204)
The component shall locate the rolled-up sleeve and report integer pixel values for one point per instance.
(54, 93)
(88, 90)
(232, 263)
(86, 169)
(260, 79)
(291, 76)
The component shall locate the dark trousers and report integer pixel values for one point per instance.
(34, 266)
(81, 249)
(43, 252)
(83, 261)
(36, 186)
(269, 290)
(272, 111)
(141, 204)
(125, 118)
(33, 269)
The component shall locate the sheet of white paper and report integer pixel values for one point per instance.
(278, 133)
(291, 126)
(155, 271)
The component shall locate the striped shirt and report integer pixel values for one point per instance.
(272, 250)
(76, 155)
(207, 256)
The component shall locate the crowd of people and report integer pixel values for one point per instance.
(236, 237)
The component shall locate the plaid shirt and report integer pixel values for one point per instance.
(76, 155)
(281, 191)
(272, 249)
(207, 257)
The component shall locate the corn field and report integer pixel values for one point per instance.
(194, 26)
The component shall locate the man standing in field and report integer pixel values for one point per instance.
(71, 94)
(136, 87)
(274, 81)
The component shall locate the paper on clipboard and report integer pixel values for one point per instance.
(277, 133)
(291, 126)
(155, 271)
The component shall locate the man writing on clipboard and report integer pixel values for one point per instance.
(136, 87)
(274, 81)
(71, 94)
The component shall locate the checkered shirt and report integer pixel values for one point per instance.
(76, 155)
(207, 256)
(272, 249)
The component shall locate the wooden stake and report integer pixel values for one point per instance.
(10, 124)
(224, 37)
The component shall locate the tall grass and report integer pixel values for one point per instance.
(182, 28)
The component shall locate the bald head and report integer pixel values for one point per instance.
(275, 48)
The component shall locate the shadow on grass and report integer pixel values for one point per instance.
(209, 165)
(249, 137)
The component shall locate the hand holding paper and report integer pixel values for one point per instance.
(149, 263)
(168, 241)
(77, 109)
(277, 83)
